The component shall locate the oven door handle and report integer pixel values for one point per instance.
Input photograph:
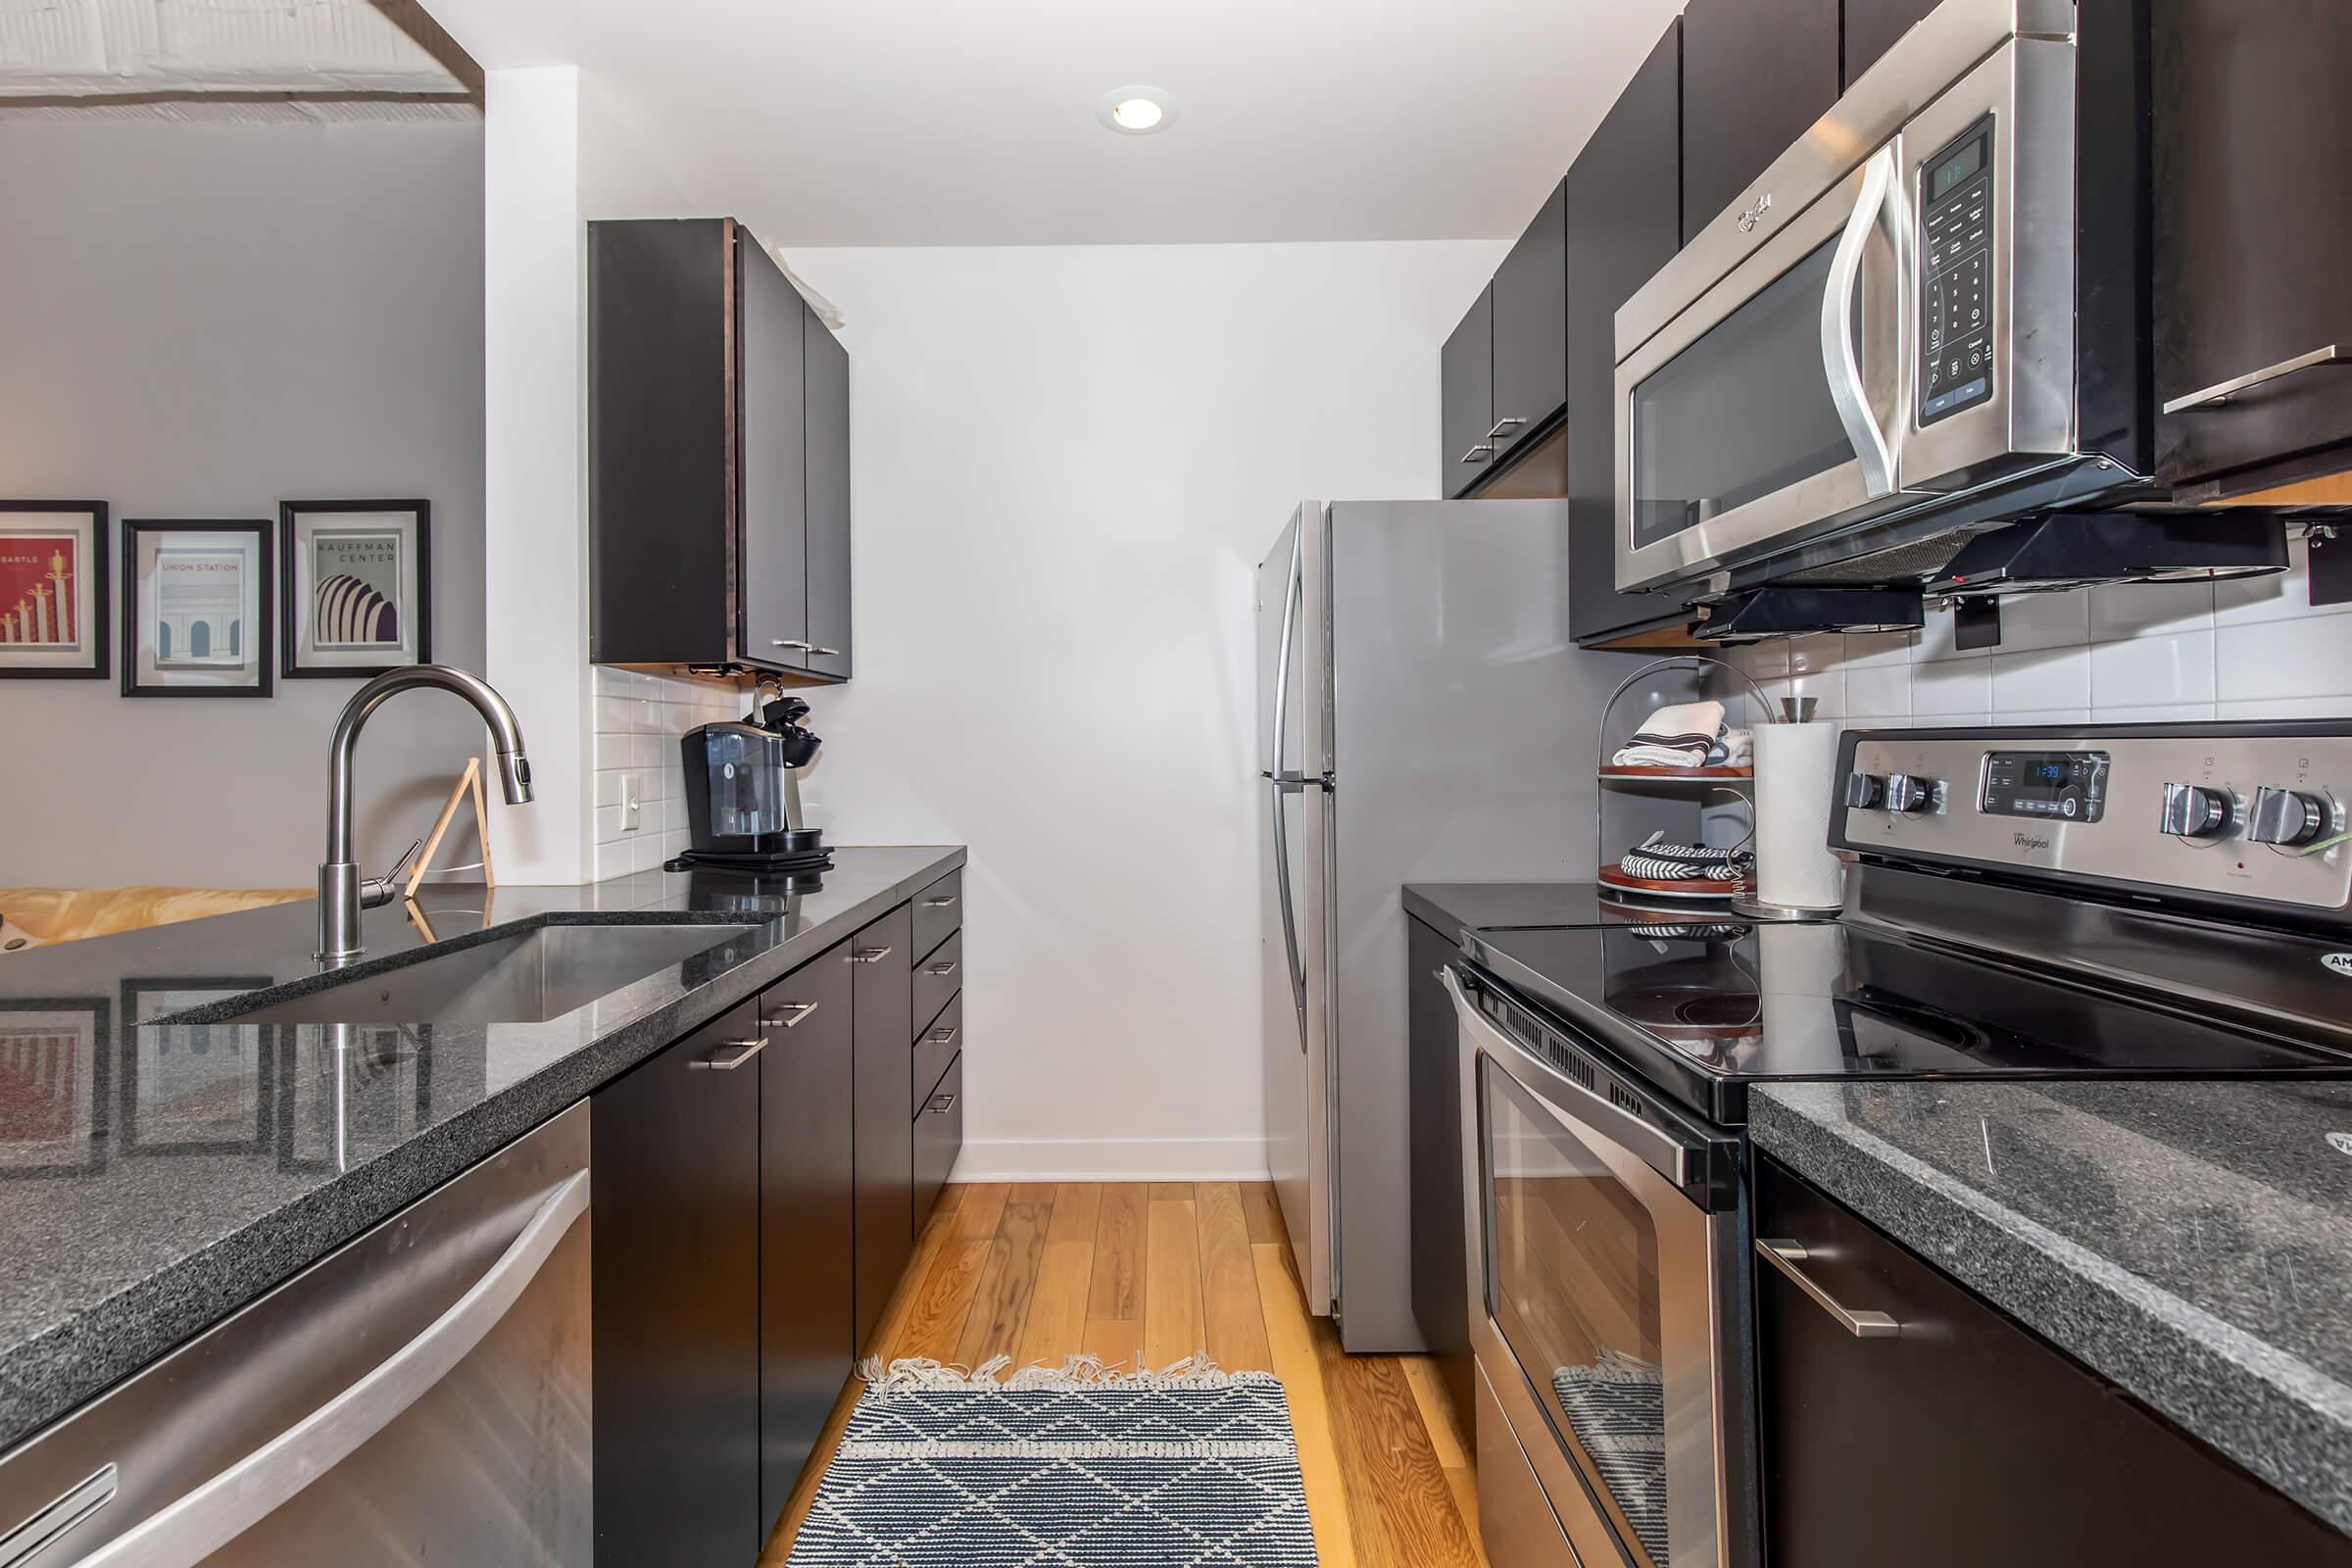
(1660, 1151)
(1879, 204)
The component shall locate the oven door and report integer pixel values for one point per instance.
(1771, 408)
(1601, 1298)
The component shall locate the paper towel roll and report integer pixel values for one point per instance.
(1794, 768)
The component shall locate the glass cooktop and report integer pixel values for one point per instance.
(1704, 1006)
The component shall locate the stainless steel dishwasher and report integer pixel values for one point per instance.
(420, 1395)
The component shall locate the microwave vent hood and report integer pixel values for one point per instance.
(1798, 611)
(2064, 551)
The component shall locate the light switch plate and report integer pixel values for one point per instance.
(629, 802)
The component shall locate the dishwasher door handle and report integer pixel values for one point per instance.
(204, 1520)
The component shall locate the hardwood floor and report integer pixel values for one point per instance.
(1148, 1273)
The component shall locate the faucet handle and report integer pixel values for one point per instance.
(377, 891)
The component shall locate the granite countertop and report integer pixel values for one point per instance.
(2191, 1241)
(155, 1178)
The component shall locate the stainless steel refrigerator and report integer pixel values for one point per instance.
(1423, 715)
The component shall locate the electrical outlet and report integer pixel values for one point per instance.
(629, 802)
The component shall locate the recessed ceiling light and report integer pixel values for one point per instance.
(1137, 110)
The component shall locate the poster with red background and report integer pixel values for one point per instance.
(26, 562)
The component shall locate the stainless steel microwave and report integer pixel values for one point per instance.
(1926, 317)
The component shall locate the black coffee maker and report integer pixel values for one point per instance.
(742, 792)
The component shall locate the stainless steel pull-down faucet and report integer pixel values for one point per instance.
(342, 892)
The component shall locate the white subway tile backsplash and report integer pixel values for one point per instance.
(2145, 670)
(2338, 707)
(2250, 601)
(1951, 686)
(1879, 650)
(2308, 657)
(1826, 686)
(1936, 641)
(2157, 713)
(2044, 621)
(2039, 678)
(2133, 609)
(638, 719)
(1878, 692)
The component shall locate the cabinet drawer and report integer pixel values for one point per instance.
(938, 1137)
(937, 978)
(938, 913)
(936, 1047)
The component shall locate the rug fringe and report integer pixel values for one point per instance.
(911, 1375)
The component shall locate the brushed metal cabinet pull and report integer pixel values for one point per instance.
(1786, 1255)
(1477, 454)
(942, 970)
(945, 900)
(732, 1055)
(793, 642)
(1503, 427)
(940, 1104)
(823, 653)
(940, 1036)
(869, 954)
(800, 1013)
(2221, 392)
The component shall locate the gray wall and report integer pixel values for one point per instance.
(200, 321)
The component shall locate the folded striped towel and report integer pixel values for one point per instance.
(1676, 736)
(1733, 747)
(1661, 861)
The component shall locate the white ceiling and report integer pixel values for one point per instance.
(972, 122)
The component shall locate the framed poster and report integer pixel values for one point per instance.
(53, 1066)
(53, 590)
(356, 586)
(196, 609)
(193, 1089)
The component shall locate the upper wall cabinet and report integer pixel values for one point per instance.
(1623, 191)
(2253, 323)
(1756, 73)
(718, 431)
(1465, 395)
(1872, 26)
(1531, 330)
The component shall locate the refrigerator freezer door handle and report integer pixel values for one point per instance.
(1282, 670)
(1290, 917)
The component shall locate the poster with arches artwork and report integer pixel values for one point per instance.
(356, 587)
(196, 607)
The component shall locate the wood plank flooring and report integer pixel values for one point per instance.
(1147, 1273)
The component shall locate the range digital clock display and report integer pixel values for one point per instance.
(2060, 786)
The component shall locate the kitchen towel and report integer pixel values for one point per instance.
(1795, 765)
(1661, 861)
(1676, 736)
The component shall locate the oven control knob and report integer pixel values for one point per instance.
(1865, 790)
(1908, 793)
(2194, 813)
(2288, 817)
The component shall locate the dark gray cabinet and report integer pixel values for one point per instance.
(1466, 399)
(808, 1208)
(2250, 238)
(1530, 331)
(883, 1142)
(1622, 188)
(773, 454)
(1433, 1071)
(825, 379)
(938, 1137)
(717, 457)
(1872, 26)
(1756, 73)
(1966, 1440)
(675, 1145)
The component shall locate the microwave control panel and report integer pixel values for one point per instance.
(1955, 306)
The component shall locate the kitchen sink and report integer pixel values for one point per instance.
(529, 977)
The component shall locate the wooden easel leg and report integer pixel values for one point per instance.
(470, 779)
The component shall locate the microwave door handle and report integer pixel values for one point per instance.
(1840, 359)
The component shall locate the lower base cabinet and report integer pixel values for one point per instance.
(1965, 1440)
(1434, 1072)
(938, 1137)
(757, 1187)
(808, 1205)
(674, 1146)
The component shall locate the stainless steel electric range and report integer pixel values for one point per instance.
(2111, 903)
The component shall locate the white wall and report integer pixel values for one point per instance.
(1066, 464)
(2154, 654)
(202, 321)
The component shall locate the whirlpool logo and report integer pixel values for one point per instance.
(2338, 963)
(2030, 842)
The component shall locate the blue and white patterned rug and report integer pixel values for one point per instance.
(1617, 1408)
(1075, 1467)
